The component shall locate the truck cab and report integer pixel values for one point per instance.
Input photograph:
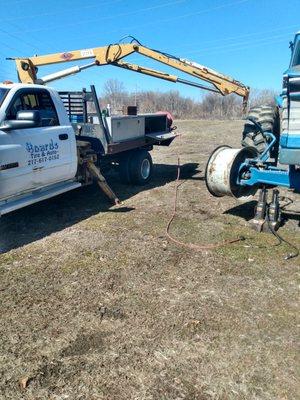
(37, 141)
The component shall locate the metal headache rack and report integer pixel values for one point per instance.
(80, 106)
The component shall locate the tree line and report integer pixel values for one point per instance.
(211, 105)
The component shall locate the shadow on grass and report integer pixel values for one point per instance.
(243, 210)
(41, 219)
(247, 211)
(288, 215)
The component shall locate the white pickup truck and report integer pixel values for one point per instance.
(49, 141)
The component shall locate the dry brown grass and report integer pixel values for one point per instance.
(96, 304)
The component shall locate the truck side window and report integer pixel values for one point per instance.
(30, 102)
(38, 100)
(47, 109)
(14, 108)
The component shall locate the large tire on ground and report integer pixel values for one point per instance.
(140, 167)
(268, 117)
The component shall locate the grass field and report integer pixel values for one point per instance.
(97, 304)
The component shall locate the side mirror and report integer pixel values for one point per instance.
(25, 119)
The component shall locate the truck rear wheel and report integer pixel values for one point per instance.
(140, 167)
(268, 117)
(124, 164)
(136, 167)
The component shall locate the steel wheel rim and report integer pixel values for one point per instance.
(145, 168)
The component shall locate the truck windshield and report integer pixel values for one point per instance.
(296, 58)
(3, 93)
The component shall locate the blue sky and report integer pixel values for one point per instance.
(247, 39)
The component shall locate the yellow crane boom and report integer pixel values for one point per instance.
(114, 54)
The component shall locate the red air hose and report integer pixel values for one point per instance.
(192, 246)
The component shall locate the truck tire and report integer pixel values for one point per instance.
(124, 167)
(268, 117)
(140, 167)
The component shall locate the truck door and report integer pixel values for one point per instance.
(39, 156)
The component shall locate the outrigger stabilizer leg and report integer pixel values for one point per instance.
(267, 216)
(258, 222)
(102, 183)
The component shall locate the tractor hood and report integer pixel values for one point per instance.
(293, 72)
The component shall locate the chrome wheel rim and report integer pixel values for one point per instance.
(145, 168)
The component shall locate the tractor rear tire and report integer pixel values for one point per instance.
(268, 117)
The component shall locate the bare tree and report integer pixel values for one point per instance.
(260, 97)
(211, 106)
(114, 93)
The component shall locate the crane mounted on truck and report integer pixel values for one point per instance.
(115, 53)
(50, 142)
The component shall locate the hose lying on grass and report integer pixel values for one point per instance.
(279, 237)
(210, 246)
(191, 246)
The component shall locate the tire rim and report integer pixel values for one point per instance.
(145, 168)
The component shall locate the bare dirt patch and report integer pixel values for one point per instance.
(96, 304)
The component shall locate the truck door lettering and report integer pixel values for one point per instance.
(40, 154)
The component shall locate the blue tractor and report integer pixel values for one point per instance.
(270, 156)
